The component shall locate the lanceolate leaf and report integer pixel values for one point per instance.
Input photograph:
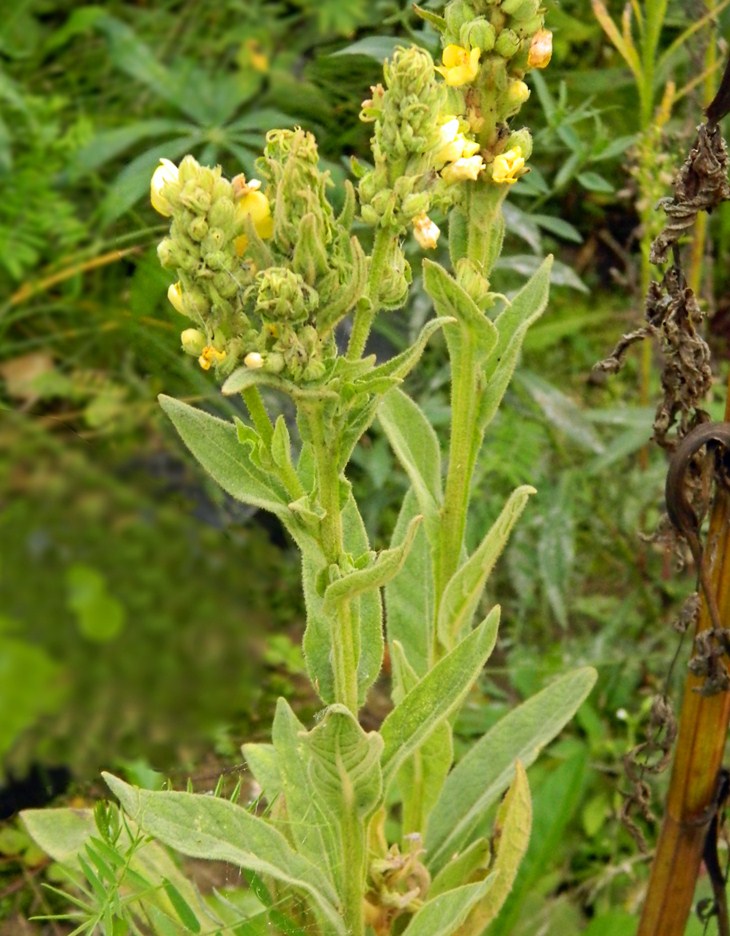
(511, 837)
(346, 784)
(450, 299)
(381, 571)
(463, 592)
(417, 447)
(437, 695)
(512, 324)
(443, 915)
(487, 768)
(215, 829)
(215, 444)
(409, 596)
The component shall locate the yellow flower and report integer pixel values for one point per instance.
(210, 355)
(425, 231)
(541, 49)
(461, 65)
(462, 169)
(175, 296)
(256, 56)
(254, 203)
(454, 144)
(508, 167)
(164, 173)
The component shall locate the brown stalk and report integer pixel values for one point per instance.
(700, 746)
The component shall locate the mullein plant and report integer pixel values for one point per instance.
(372, 832)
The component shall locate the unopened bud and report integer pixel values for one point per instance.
(192, 341)
(507, 44)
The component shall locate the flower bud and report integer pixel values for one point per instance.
(479, 33)
(457, 14)
(193, 342)
(196, 198)
(517, 94)
(253, 360)
(521, 139)
(164, 174)
(198, 228)
(507, 44)
(425, 232)
(520, 9)
(175, 297)
(541, 49)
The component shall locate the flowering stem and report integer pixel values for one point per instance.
(344, 638)
(363, 318)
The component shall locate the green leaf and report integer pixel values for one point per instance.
(554, 804)
(466, 865)
(436, 696)
(464, 590)
(487, 768)
(133, 182)
(347, 783)
(595, 182)
(243, 377)
(379, 48)
(511, 837)
(264, 765)
(450, 299)
(378, 573)
(409, 596)
(422, 776)
(366, 609)
(512, 325)
(182, 908)
(562, 412)
(417, 447)
(443, 915)
(110, 143)
(303, 824)
(215, 444)
(65, 834)
(206, 827)
(559, 227)
(556, 548)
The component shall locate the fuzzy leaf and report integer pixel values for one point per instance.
(465, 588)
(366, 607)
(449, 298)
(215, 444)
(512, 325)
(487, 768)
(417, 447)
(206, 827)
(346, 784)
(437, 695)
(387, 564)
(409, 596)
(467, 865)
(303, 825)
(443, 915)
(264, 765)
(511, 837)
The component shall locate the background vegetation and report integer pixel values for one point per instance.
(147, 623)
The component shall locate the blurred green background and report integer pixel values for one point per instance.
(147, 622)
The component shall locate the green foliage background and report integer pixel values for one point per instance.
(148, 621)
